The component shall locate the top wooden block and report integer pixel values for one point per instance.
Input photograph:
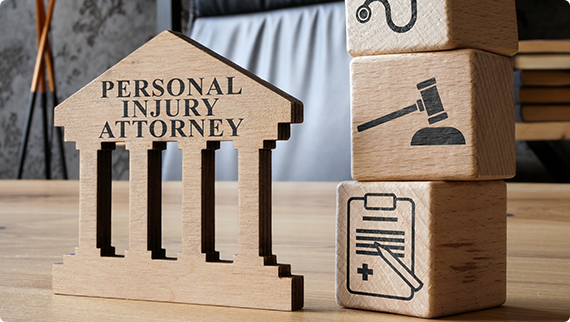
(377, 27)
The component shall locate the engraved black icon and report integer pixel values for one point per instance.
(399, 268)
(365, 272)
(363, 14)
(431, 103)
(381, 246)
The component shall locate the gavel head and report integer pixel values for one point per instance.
(431, 101)
(434, 108)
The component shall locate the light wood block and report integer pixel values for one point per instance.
(432, 116)
(404, 26)
(172, 89)
(426, 249)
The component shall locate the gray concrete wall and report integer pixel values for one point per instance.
(88, 37)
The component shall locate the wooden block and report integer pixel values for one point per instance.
(426, 249)
(404, 26)
(172, 89)
(432, 116)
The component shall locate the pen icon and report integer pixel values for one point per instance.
(398, 267)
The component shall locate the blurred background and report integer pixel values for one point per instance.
(299, 45)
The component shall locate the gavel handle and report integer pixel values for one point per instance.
(388, 117)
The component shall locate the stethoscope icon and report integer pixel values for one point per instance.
(363, 14)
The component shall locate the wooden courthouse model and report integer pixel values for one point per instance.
(175, 90)
(422, 231)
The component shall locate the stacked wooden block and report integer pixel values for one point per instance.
(422, 230)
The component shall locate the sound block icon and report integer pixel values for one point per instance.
(438, 136)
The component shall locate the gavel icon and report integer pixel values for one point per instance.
(431, 103)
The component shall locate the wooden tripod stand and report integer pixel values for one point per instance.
(44, 56)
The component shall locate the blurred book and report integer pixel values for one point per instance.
(545, 113)
(542, 61)
(545, 78)
(544, 46)
(544, 95)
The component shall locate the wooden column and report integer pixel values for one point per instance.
(88, 199)
(198, 232)
(254, 188)
(144, 202)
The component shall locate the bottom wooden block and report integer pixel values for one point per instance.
(239, 284)
(426, 249)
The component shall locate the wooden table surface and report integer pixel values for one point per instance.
(39, 223)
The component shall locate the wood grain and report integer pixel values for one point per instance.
(475, 91)
(443, 253)
(38, 223)
(438, 25)
(172, 89)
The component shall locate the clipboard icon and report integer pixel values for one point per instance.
(381, 246)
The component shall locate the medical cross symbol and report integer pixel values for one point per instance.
(365, 272)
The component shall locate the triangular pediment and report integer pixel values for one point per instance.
(173, 88)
